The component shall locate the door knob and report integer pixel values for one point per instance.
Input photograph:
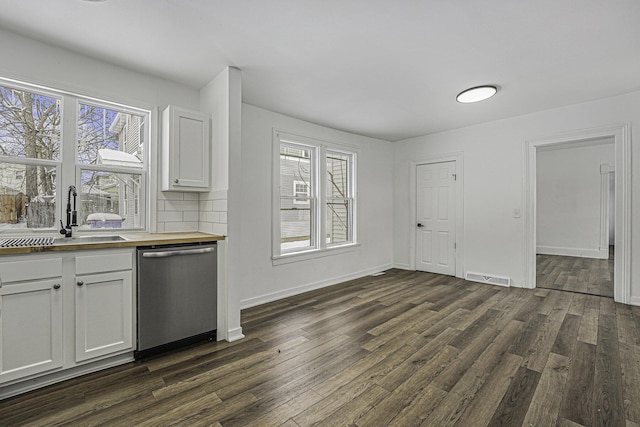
(56, 286)
(80, 283)
(420, 225)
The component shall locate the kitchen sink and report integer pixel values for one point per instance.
(82, 240)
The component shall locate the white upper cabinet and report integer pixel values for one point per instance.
(186, 148)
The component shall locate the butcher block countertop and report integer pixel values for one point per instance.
(83, 242)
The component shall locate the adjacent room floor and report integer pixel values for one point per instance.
(585, 275)
(401, 349)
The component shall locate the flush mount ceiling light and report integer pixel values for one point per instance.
(475, 94)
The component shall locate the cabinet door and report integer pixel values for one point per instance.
(186, 148)
(30, 328)
(103, 314)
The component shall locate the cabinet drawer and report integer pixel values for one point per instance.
(104, 262)
(33, 269)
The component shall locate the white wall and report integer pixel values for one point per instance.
(569, 212)
(215, 99)
(493, 180)
(35, 62)
(259, 279)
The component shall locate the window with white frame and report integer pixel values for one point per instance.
(314, 188)
(50, 140)
(301, 190)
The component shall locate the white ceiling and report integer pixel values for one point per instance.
(382, 68)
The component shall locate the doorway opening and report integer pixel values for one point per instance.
(534, 152)
(574, 251)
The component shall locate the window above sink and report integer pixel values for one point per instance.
(50, 140)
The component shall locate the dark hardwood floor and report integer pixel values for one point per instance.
(401, 349)
(586, 275)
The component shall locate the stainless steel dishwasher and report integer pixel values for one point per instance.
(177, 296)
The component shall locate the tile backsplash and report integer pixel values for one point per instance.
(206, 212)
(213, 212)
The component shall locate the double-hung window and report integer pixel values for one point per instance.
(51, 140)
(314, 195)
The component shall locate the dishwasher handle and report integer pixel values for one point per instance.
(165, 254)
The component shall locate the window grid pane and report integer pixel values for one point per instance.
(338, 172)
(27, 196)
(297, 225)
(109, 137)
(338, 217)
(108, 200)
(338, 220)
(29, 125)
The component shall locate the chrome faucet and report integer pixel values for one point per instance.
(72, 215)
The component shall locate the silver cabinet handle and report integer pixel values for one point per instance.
(56, 286)
(80, 283)
(173, 253)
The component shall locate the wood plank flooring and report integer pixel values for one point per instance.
(401, 349)
(585, 275)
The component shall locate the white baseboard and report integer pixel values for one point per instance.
(235, 334)
(575, 252)
(517, 284)
(634, 301)
(403, 266)
(263, 299)
(25, 385)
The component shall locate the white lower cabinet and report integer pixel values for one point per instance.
(64, 316)
(31, 328)
(103, 314)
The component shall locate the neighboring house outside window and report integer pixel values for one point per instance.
(128, 129)
(90, 148)
(303, 190)
(314, 194)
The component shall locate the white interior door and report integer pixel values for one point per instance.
(435, 218)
